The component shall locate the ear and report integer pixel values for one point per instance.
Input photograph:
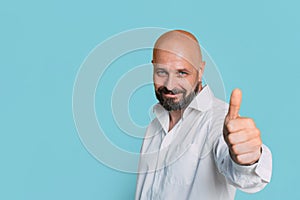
(201, 70)
(202, 66)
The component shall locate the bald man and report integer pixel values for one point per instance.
(197, 147)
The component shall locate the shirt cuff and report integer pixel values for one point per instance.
(243, 168)
(264, 164)
(263, 168)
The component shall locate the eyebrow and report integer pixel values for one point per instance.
(177, 69)
(183, 69)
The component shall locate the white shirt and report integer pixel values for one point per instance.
(192, 161)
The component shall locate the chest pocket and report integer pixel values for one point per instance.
(183, 170)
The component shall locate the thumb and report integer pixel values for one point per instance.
(234, 104)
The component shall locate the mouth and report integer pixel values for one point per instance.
(171, 95)
(174, 94)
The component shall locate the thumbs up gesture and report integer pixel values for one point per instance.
(241, 134)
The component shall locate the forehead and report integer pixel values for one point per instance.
(163, 58)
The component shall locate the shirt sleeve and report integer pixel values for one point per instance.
(250, 179)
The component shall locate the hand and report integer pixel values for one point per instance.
(241, 134)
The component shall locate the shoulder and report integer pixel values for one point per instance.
(217, 112)
(219, 106)
(153, 127)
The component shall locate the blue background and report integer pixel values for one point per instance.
(255, 44)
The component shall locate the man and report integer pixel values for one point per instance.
(197, 147)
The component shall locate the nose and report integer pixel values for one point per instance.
(170, 82)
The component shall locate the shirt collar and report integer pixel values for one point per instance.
(202, 102)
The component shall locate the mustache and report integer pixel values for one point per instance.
(164, 90)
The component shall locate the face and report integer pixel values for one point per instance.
(176, 81)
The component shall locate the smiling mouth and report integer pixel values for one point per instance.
(171, 95)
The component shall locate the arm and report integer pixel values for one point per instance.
(248, 178)
(240, 155)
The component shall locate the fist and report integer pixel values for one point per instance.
(241, 134)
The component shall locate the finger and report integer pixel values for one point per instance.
(243, 136)
(248, 158)
(234, 104)
(246, 147)
(240, 124)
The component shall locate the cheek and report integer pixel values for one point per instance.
(186, 84)
(156, 86)
(159, 81)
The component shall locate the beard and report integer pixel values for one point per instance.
(169, 103)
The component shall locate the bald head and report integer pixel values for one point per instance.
(180, 43)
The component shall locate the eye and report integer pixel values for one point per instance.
(161, 73)
(182, 73)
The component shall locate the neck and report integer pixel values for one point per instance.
(175, 116)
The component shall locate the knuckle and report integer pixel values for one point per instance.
(259, 142)
(229, 126)
(257, 145)
(250, 121)
(234, 149)
(230, 138)
(240, 159)
(254, 132)
(257, 132)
